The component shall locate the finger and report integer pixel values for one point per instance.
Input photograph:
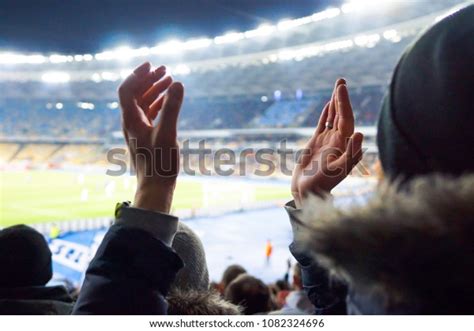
(169, 113)
(148, 80)
(155, 108)
(130, 112)
(154, 92)
(131, 83)
(344, 111)
(336, 121)
(352, 155)
(332, 107)
(323, 118)
(142, 69)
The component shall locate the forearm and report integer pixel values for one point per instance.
(133, 267)
(327, 295)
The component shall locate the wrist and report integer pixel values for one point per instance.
(156, 197)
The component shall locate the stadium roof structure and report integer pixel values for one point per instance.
(321, 28)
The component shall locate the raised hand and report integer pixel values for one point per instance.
(153, 148)
(332, 151)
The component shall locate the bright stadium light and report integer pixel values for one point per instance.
(59, 106)
(110, 76)
(197, 43)
(122, 53)
(88, 57)
(358, 5)
(85, 105)
(392, 35)
(176, 46)
(368, 41)
(58, 58)
(288, 24)
(96, 77)
(112, 105)
(14, 58)
(261, 31)
(56, 77)
(229, 37)
(326, 14)
(182, 69)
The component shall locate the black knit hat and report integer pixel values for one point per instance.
(427, 120)
(25, 258)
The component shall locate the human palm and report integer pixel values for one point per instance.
(332, 151)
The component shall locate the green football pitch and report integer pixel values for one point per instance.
(28, 197)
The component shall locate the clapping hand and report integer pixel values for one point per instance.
(332, 151)
(154, 150)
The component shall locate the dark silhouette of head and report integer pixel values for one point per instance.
(250, 293)
(25, 258)
(231, 273)
(425, 125)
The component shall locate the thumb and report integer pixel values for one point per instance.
(168, 121)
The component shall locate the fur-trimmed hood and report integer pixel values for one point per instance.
(199, 303)
(406, 251)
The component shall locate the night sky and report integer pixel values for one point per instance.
(73, 26)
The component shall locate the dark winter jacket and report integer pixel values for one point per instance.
(133, 268)
(407, 251)
(35, 300)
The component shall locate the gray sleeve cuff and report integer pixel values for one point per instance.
(161, 226)
(294, 215)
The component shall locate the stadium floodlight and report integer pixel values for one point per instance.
(168, 47)
(264, 98)
(56, 77)
(112, 105)
(229, 37)
(83, 57)
(85, 105)
(14, 58)
(261, 31)
(121, 53)
(277, 95)
(176, 46)
(181, 69)
(96, 77)
(110, 76)
(392, 35)
(326, 14)
(359, 5)
(286, 55)
(197, 43)
(368, 41)
(273, 58)
(59, 106)
(289, 24)
(58, 58)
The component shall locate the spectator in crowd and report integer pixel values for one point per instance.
(135, 265)
(250, 293)
(190, 293)
(296, 302)
(26, 269)
(409, 251)
(230, 273)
